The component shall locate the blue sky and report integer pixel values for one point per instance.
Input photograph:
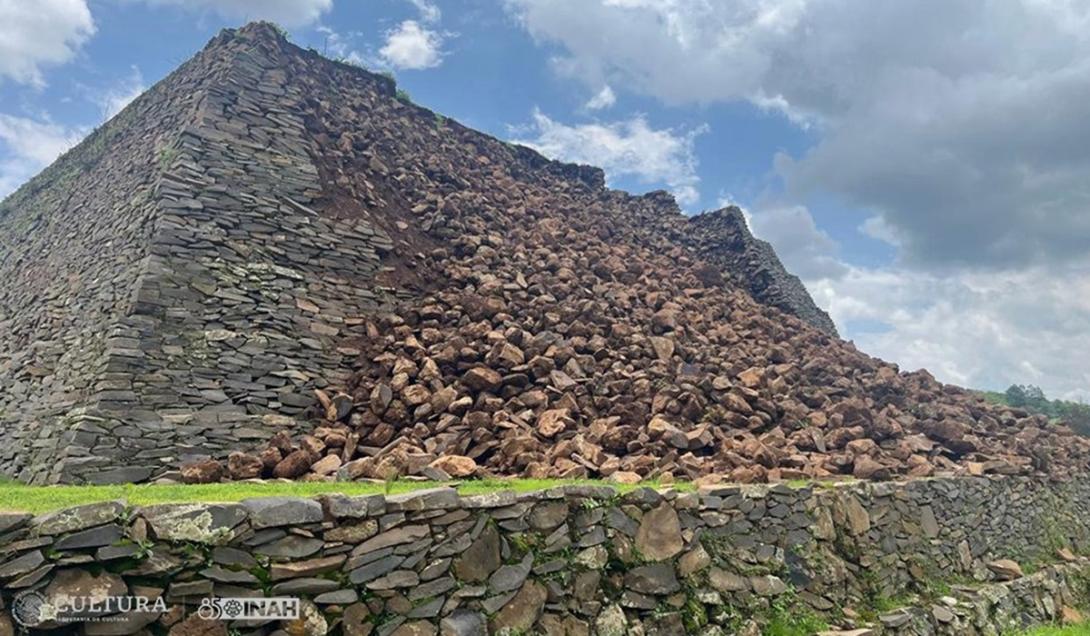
(921, 168)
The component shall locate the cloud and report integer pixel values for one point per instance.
(411, 46)
(602, 99)
(965, 133)
(41, 33)
(877, 228)
(117, 97)
(429, 11)
(978, 329)
(339, 46)
(628, 148)
(809, 252)
(288, 13)
(985, 331)
(28, 145)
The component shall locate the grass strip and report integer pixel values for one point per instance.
(17, 497)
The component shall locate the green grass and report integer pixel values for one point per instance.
(18, 497)
(1082, 629)
(793, 620)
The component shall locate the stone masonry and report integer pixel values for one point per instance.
(175, 287)
(188, 299)
(722, 237)
(578, 559)
(267, 231)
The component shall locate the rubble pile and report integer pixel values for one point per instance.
(557, 328)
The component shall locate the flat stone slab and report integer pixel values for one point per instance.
(212, 524)
(271, 512)
(78, 518)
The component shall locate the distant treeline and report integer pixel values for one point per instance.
(1032, 398)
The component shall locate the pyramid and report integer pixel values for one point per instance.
(155, 277)
(272, 245)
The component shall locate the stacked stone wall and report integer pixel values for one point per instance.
(240, 313)
(74, 241)
(722, 237)
(193, 298)
(580, 559)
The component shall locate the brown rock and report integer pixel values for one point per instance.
(857, 516)
(625, 477)
(506, 355)
(270, 457)
(245, 466)
(281, 441)
(693, 561)
(553, 421)
(381, 396)
(415, 394)
(326, 465)
(1005, 569)
(521, 613)
(296, 464)
(356, 620)
(203, 472)
(866, 467)
(455, 465)
(482, 379)
(342, 406)
(659, 535)
(663, 346)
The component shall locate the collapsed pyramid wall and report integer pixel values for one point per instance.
(271, 204)
(169, 290)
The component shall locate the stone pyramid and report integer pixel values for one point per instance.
(155, 276)
(264, 223)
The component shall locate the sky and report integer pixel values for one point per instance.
(923, 166)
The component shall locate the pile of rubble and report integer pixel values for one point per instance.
(561, 329)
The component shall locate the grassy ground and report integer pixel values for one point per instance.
(36, 499)
(1054, 630)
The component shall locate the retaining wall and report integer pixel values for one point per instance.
(574, 560)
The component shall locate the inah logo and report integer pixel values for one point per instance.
(234, 609)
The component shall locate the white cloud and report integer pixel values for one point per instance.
(623, 148)
(40, 33)
(429, 11)
(792, 231)
(287, 13)
(37, 141)
(602, 99)
(411, 46)
(959, 121)
(114, 99)
(979, 330)
(28, 145)
(956, 127)
(879, 229)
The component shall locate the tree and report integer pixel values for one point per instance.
(1016, 395)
